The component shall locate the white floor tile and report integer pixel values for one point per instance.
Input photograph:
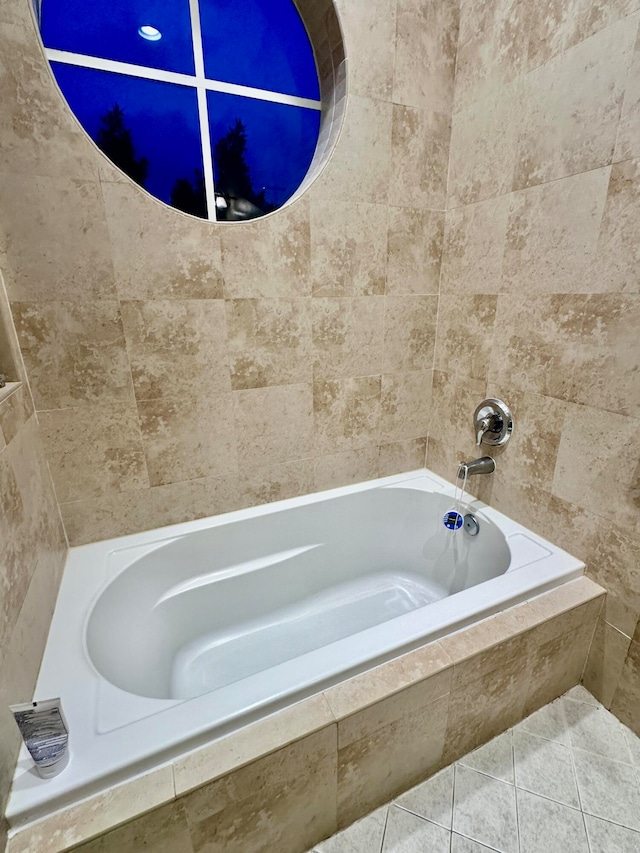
(363, 836)
(549, 722)
(594, 729)
(608, 789)
(494, 758)
(484, 809)
(546, 768)
(633, 742)
(432, 799)
(406, 833)
(460, 844)
(547, 826)
(605, 837)
(581, 694)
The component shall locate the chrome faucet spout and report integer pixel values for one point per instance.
(483, 465)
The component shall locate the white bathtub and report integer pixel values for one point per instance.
(166, 639)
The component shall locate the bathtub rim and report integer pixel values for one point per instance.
(24, 807)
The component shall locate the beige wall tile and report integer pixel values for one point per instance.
(607, 482)
(269, 342)
(419, 154)
(251, 742)
(176, 343)
(347, 336)
(402, 456)
(474, 245)
(573, 105)
(405, 405)
(54, 208)
(264, 484)
(415, 251)
(552, 235)
(94, 450)
(343, 469)
(98, 814)
(628, 141)
(348, 248)
(464, 343)
(75, 352)
(15, 411)
(285, 801)
(270, 257)
(121, 513)
(188, 438)
(273, 424)
(346, 413)
(616, 263)
(606, 659)
(535, 343)
(426, 54)
(391, 754)
(409, 333)
(626, 699)
(158, 252)
(370, 36)
(162, 830)
(614, 562)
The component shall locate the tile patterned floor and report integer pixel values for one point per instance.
(565, 780)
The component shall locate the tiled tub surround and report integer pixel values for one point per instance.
(235, 616)
(294, 778)
(566, 778)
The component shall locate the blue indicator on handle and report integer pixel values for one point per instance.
(453, 520)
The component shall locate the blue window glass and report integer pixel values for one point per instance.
(258, 43)
(261, 150)
(161, 120)
(111, 31)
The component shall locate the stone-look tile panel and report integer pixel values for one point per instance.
(359, 166)
(270, 257)
(614, 562)
(389, 748)
(269, 342)
(606, 374)
(405, 405)
(188, 438)
(263, 484)
(15, 411)
(618, 253)
(536, 342)
(626, 699)
(370, 35)
(94, 450)
(346, 413)
(606, 483)
(273, 424)
(40, 136)
(54, 208)
(426, 54)
(267, 805)
(30, 528)
(348, 336)
(464, 346)
(348, 248)
(492, 49)
(176, 344)
(409, 333)
(552, 234)
(402, 456)
(91, 817)
(74, 352)
(415, 251)
(628, 141)
(121, 513)
(419, 155)
(158, 252)
(343, 469)
(573, 106)
(474, 244)
(605, 662)
(163, 830)
(483, 146)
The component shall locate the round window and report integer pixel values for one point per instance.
(213, 106)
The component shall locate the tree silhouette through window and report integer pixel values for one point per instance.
(115, 140)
